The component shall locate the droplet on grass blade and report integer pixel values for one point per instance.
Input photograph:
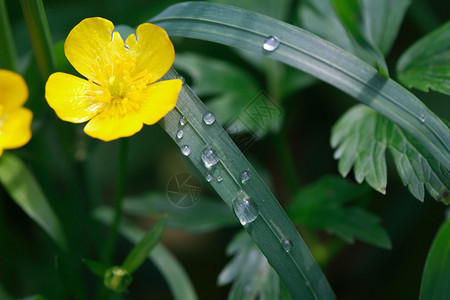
(185, 150)
(245, 177)
(208, 177)
(287, 245)
(244, 208)
(180, 134)
(183, 120)
(271, 43)
(209, 118)
(209, 158)
(219, 178)
(422, 118)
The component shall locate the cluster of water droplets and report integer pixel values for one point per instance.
(245, 209)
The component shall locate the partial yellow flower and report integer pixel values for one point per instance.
(15, 120)
(121, 92)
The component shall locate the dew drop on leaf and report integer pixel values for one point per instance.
(245, 177)
(208, 177)
(185, 150)
(183, 121)
(219, 178)
(209, 118)
(422, 118)
(180, 134)
(244, 208)
(287, 245)
(271, 43)
(209, 158)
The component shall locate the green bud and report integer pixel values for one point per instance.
(117, 279)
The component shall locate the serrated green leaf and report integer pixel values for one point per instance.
(206, 215)
(140, 252)
(362, 135)
(249, 271)
(25, 191)
(96, 267)
(436, 275)
(173, 272)
(322, 205)
(426, 64)
(382, 20)
(362, 143)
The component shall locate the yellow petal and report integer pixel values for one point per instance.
(152, 50)
(109, 127)
(13, 91)
(158, 99)
(15, 130)
(91, 45)
(66, 94)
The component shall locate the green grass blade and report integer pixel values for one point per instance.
(137, 256)
(25, 191)
(272, 230)
(248, 30)
(176, 277)
(436, 275)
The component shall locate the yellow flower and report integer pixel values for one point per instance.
(121, 92)
(15, 120)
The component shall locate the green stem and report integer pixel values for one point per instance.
(8, 57)
(284, 157)
(34, 14)
(121, 177)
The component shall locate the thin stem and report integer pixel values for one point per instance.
(34, 14)
(121, 178)
(8, 57)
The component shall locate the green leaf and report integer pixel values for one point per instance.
(173, 272)
(322, 205)
(96, 267)
(25, 191)
(362, 135)
(437, 267)
(426, 64)
(382, 20)
(137, 256)
(34, 297)
(259, 211)
(248, 30)
(206, 215)
(249, 271)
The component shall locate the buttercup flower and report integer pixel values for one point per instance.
(121, 92)
(15, 120)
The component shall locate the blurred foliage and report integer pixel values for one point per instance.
(77, 174)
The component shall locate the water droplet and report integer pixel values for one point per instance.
(209, 177)
(244, 208)
(271, 43)
(180, 134)
(185, 150)
(287, 245)
(307, 283)
(183, 81)
(422, 118)
(209, 158)
(183, 120)
(209, 118)
(245, 176)
(219, 178)
(127, 47)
